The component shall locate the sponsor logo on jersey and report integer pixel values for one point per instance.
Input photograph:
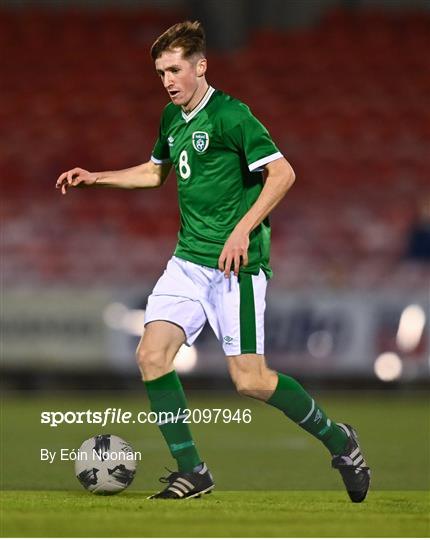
(170, 140)
(200, 141)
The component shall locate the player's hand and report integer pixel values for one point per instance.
(234, 253)
(75, 177)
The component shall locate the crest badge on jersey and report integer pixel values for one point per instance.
(200, 141)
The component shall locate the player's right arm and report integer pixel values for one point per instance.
(147, 175)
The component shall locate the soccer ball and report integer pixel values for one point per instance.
(105, 464)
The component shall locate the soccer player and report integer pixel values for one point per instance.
(230, 175)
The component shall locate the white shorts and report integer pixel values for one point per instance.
(188, 295)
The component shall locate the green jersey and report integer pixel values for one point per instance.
(218, 151)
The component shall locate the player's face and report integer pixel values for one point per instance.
(182, 78)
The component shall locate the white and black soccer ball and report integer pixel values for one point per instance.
(105, 464)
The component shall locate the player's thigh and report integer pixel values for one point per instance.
(176, 299)
(159, 346)
(163, 335)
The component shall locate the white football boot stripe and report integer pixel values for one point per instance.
(354, 453)
(185, 483)
(170, 488)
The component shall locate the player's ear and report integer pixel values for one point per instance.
(201, 66)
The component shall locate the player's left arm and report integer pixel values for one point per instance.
(279, 178)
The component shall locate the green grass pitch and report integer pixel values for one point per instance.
(272, 479)
(223, 513)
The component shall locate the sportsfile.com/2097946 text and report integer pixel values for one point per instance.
(119, 416)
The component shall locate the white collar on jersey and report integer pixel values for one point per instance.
(200, 106)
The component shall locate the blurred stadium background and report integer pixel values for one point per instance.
(343, 86)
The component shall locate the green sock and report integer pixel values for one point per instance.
(293, 400)
(166, 395)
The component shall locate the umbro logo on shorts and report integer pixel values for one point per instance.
(170, 140)
(228, 340)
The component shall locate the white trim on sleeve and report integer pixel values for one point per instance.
(264, 161)
(160, 161)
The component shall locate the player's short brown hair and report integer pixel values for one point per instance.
(188, 35)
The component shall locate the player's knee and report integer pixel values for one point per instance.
(143, 357)
(256, 383)
(246, 385)
(152, 363)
